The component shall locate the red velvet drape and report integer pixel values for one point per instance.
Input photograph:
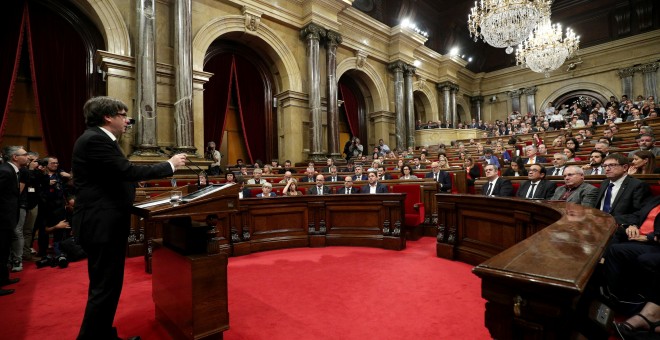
(57, 60)
(250, 93)
(11, 39)
(351, 108)
(217, 95)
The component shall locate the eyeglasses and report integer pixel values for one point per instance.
(612, 165)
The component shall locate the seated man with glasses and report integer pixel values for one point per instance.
(575, 190)
(442, 177)
(619, 193)
(537, 187)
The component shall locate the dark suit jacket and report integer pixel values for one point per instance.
(544, 189)
(380, 189)
(339, 178)
(387, 177)
(551, 171)
(421, 167)
(314, 190)
(631, 196)
(246, 192)
(9, 197)
(444, 179)
(503, 188)
(105, 187)
(308, 180)
(272, 194)
(342, 190)
(362, 178)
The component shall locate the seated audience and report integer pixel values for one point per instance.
(373, 187)
(348, 188)
(575, 190)
(620, 194)
(516, 169)
(320, 188)
(537, 187)
(496, 186)
(266, 190)
(595, 166)
(472, 171)
(406, 173)
(291, 188)
(643, 162)
(442, 177)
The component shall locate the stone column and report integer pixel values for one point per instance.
(445, 87)
(408, 72)
(312, 34)
(332, 40)
(650, 72)
(454, 112)
(476, 106)
(146, 141)
(531, 99)
(397, 69)
(626, 75)
(515, 100)
(183, 109)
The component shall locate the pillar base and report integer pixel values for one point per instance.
(148, 151)
(317, 156)
(188, 150)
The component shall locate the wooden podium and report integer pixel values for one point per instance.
(189, 264)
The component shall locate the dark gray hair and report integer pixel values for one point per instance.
(10, 150)
(97, 108)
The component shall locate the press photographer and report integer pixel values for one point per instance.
(215, 156)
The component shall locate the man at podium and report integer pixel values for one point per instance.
(105, 184)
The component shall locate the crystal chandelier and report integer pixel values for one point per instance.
(506, 23)
(546, 49)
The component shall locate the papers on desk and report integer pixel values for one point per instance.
(153, 203)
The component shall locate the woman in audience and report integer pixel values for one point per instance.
(229, 178)
(559, 141)
(643, 162)
(399, 165)
(291, 188)
(499, 150)
(517, 168)
(536, 140)
(573, 144)
(462, 156)
(472, 171)
(570, 154)
(268, 170)
(406, 173)
(443, 162)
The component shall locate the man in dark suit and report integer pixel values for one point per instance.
(244, 192)
(382, 175)
(310, 175)
(359, 176)
(417, 165)
(348, 188)
(537, 186)
(496, 186)
(15, 158)
(532, 157)
(105, 186)
(609, 135)
(373, 187)
(620, 194)
(319, 189)
(442, 177)
(575, 190)
(334, 177)
(559, 161)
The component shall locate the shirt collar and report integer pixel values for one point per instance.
(619, 181)
(13, 166)
(108, 133)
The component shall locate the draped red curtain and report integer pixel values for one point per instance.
(250, 92)
(11, 39)
(351, 108)
(59, 79)
(217, 95)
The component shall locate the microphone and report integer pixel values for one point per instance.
(201, 174)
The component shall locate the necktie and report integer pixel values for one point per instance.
(596, 171)
(320, 190)
(490, 189)
(556, 173)
(437, 177)
(348, 191)
(530, 193)
(608, 198)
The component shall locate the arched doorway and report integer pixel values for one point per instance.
(585, 98)
(239, 114)
(353, 110)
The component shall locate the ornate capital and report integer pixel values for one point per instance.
(625, 72)
(252, 18)
(397, 66)
(361, 58)
(332, 38)
(447, 86)
(530, 90)
(409, 70)
(477, 99)
(648, 68)
(515, 93)
(312, 32)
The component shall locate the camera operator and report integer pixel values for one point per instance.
(215, 156)
(53, 192)
(57, 224)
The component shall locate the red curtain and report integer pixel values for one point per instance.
(351, 108)
(217, 95)
(250, 95)
(11, 39)
(59, 79)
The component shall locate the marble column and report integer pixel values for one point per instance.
(650, 72)
(408, 73)
(476, 106)
(445, 87)
(531, 99)
(397, 69)
(454, 111)
(626, 75)
(332, 40)
(146, 141)
(515, 100)
(183, 109)
(312, 35)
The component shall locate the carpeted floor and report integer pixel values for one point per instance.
(304, 293)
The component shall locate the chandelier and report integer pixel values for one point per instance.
(506, 23)
(546, 49)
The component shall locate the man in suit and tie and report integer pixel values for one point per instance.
(575, 190)
(256, 177)
(105, 188)
(595, 166)
(310, 175)
(243, 191)
(559, 161)
(373, 187)
(382, 175)
(537, 187)
(359, 176)
(620, 194)
(609, 135)
(348, 188)
(417, 165)
(496, 186)
(646, 141)
(442, 177)
(532, 157)
(333, 175)
(319, 188)
(15, 158)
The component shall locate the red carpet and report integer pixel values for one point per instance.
(322, 293)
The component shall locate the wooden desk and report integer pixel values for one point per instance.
(534, 258)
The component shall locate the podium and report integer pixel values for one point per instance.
(189, 263)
